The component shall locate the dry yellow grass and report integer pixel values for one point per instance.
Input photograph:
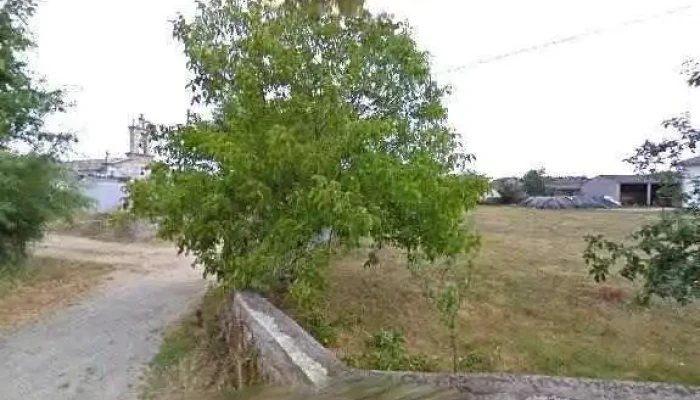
(107, 227)
(532, 309)
(44, 285)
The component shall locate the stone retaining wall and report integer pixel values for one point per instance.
(283, 352)
(275, 349)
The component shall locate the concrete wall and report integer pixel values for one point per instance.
(271, 346)
(133, 167)
(691, 177)
(532, 387)
(107, 194)
(601, 187)
(282, 352)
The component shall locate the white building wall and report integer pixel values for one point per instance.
(134, 168)
(602, 187)
(691, 178)
(106, 194)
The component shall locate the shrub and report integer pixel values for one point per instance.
(511, 191)
(35, 191)
(535, 183)
(319, 327)
(386, 351)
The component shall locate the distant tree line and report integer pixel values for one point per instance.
(534, 182)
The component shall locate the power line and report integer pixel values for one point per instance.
(564, 40)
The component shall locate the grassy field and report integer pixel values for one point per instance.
(532, 309)
(43, 285)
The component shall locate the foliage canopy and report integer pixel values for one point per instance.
(321, 124)
(34, 192)
(24, 102)
(511, 190)
(535, 182)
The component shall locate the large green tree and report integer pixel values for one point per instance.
(321, 123)
(663, 254)
(24, 100)
(33, 189)
(535, 182)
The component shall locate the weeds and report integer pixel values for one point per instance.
(176, 346)
(474, 361)
(318, 326)
(386, 351)
(446, 285)
(194, 362)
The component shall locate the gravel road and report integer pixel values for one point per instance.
(96, 349)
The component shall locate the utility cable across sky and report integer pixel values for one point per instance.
(565, 40)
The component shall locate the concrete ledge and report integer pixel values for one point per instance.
(284, 353)
(532, 387)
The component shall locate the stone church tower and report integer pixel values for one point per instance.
(138, 138)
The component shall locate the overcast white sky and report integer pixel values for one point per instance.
(575, 108)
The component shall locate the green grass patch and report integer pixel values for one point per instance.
(177, 345)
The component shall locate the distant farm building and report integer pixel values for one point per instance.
(566, 186)
(628, 190)
(691, 181)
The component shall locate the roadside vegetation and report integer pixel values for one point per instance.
(36, 190)
(116, 226)
(43, 285)
(532, 308)
(193, 360)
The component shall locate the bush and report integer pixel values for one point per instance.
(320, 328)
(35, 191)
(386, 351)
(535, 183)
(663, 254)
(511, 191)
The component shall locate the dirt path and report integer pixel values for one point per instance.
(96, 349)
